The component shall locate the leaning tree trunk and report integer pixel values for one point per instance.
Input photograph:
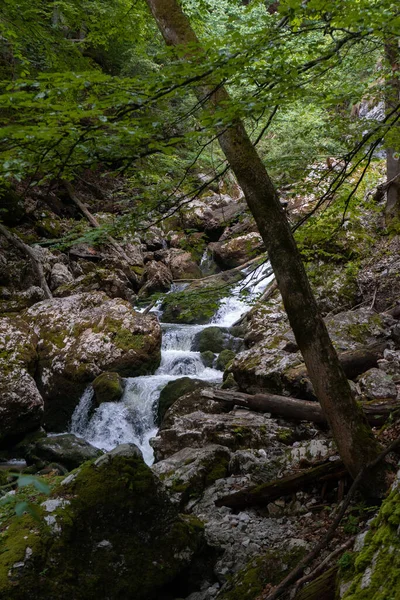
(392, 99)
(352, 433)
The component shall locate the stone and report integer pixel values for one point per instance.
(207, 358)
(114, 526)
(21, 404)
(158, 278)
(107, 387)
(375, 384)
(182, 265)
(174, 390)
(81, 336)
(191, 470)
(237, 251)
(209, 339)
(68, 450)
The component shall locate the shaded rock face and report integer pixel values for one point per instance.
(81, 336)
(237, 251)
(377, 385)
(66, 450)
(21, 404)
(110, 527)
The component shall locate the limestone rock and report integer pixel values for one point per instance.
(175, 390)
(83, 335)
(21, 404)
(182, 265)
(191, 470)
(111, 527)
(237, 251)
(375, 384)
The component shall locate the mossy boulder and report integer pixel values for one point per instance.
(21, 404)
(67, 450)
(174, 390)
(373, 571)
(207, 358)
(83, 335)
(210, 339)
(224, 359)
(108, 529)
(108, 387)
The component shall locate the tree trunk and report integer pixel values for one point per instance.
(354, 437)
(392, 99)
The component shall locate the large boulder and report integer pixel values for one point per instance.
(174, 390)
(158, 278)
(21, 404)
(83, 335)
(108, 529)
(237, 251)
(108, 387)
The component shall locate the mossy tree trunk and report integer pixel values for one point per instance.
(352, 433)
(392, 100)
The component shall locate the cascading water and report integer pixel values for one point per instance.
(133, 418)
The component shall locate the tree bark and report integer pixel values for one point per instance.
(354, 437)
(392, 98)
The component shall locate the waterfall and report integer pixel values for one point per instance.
(133, 418)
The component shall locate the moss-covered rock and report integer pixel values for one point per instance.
(373, 572)
(108, 529)
(207, 358)
(83, 335)
(224, 359)
(108, 387)
(174, 390)
(210, 339)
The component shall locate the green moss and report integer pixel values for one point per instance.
(108, 387)
(375, 574)
(224, 359)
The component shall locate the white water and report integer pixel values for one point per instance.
(133, 418)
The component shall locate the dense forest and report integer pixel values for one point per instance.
(199, 299)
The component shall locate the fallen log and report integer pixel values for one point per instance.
(294, 408)
(268, 492)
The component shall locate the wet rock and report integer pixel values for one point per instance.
(375, 384)
(113, 524)
(237, 251)
(190, 471)
(175, 390)
(210, 339)
(83, 335)
(107, 387)
(21, 404)
(67, 449)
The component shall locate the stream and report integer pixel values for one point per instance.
(133, 418)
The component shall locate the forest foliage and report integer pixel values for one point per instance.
(90, 85)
